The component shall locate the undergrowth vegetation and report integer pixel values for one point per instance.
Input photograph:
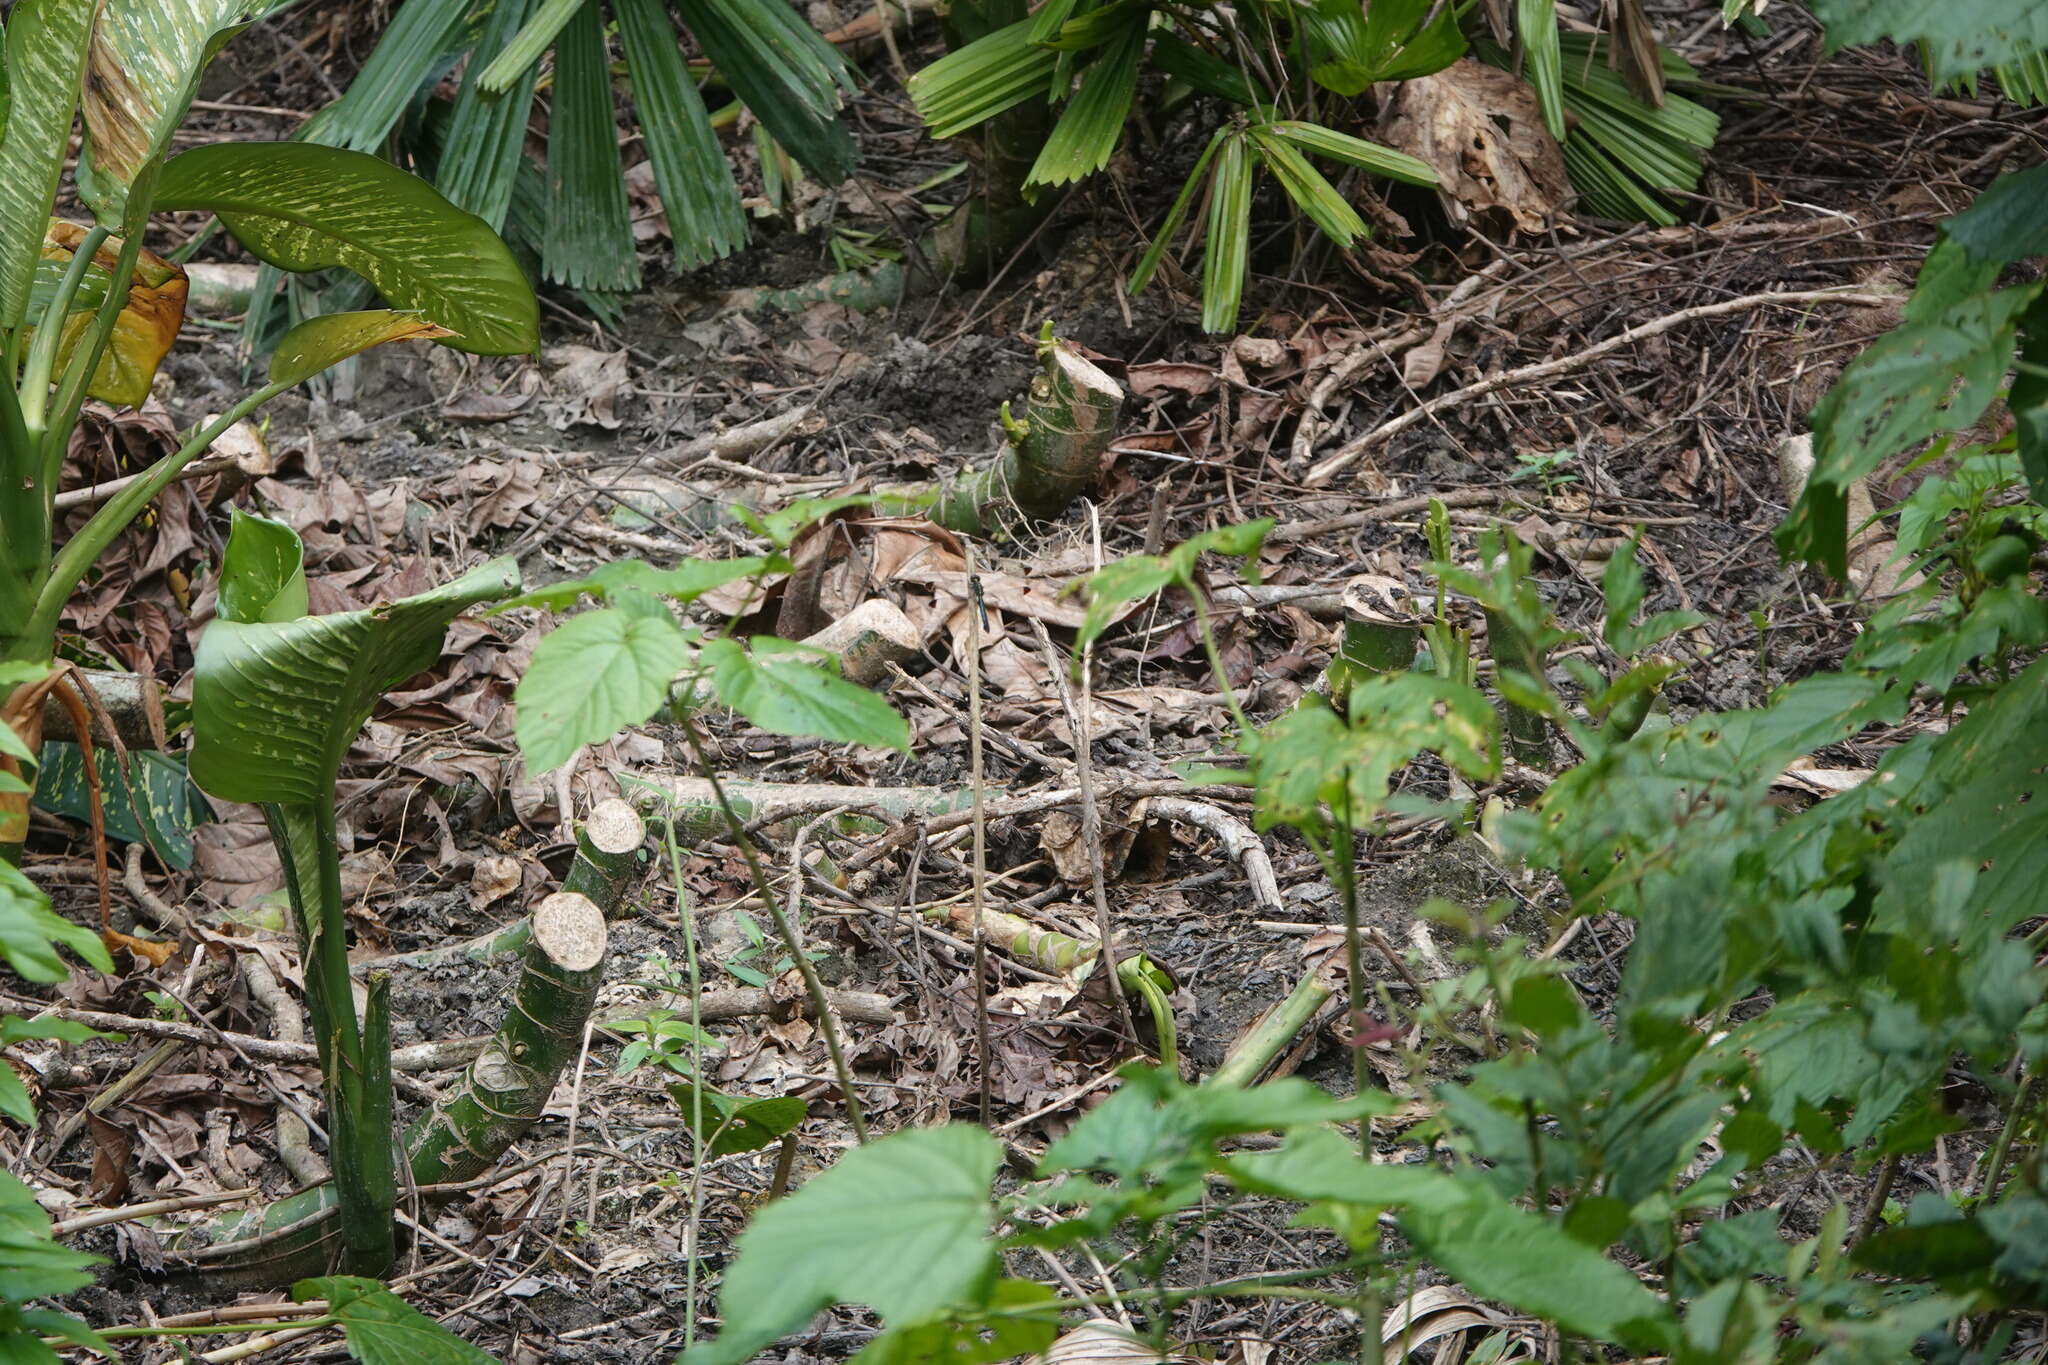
(1809, 990)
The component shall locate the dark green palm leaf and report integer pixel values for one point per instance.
(691, 172)
(588, 239)
(787, 75)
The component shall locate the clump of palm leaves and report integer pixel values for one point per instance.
(569, 210)
(1286, 72)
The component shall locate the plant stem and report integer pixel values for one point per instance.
(84, 549)
(815, 987)
(688, 924)
(42, 351)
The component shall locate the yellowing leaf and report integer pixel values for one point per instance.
(316, 343)
(145, 329)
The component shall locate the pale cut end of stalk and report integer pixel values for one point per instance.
(615, 828)
(1381, 632)
(570, 929)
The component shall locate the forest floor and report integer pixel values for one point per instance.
(1830, 172)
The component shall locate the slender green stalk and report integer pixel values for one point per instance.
(813, 986)
(42, 352)
(688, 925)
(84, 549)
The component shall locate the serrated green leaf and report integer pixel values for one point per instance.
(1312, 194)
(1136, 577)
(527, 45)
(691, 173)
(592, 677)
(482, 154)
(302, 207)
(587, 242)
(686, 582)
(1536, 30)
(1162, 241)
(31, 932)
(1959, 37)
(33, 1265)
(1317, 1164)
(46, 52)
(383, 1329)
(1355, 151)
(783, 689)
(145, 65)
(900, 1226)
(1498, 1252)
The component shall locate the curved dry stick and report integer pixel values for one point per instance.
(1236, 837)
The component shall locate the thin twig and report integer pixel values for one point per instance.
(1349, 453)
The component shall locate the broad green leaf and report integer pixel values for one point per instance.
(1086, 135)
(263, 572)
(1319, 1164)
(788, 77)
(157, 804)
(737, 1123)
(31, 932)
(592, 677)
(997, 1338)
(1960, 37)
(14, 1099)
(686, 582)
(147, 59)
(2028, 399)
(1496, 1251)
(783, 689)
(1136, 577)
(2006, 223)
(1227, 254)
(302, 207)
(46, 51)
(900, 1226)
(319, 342)
(33, 1265)
(706, 220)
(587, 240)
(45, 1322)
(276, 704)
(1936, 373)
(533, 38)
(1155, 1120)
(383, 1329)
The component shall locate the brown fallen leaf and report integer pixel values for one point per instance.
(1482, 129)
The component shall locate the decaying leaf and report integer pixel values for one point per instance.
(145, 329)
(1102, 1342)
(1425, 1318)
(1483, 131)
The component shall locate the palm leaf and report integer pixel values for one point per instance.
(1536, 31)
(1230, 236)
(1162, 241)
(1311, 193)
(989, 76)
(533, 38)
(1355, 151)
(421, 44)
(787, 75)
(588, 241)
(705, 218)
(481, 156)
(1088, 131)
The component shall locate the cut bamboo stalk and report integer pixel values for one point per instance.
(1381, 633)
(1054, 455)
(505, 1088)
